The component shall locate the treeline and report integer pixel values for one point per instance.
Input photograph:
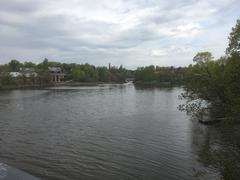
(155, 75)
(213, 85)
(87, 72)
(39, 73)
(13, 74)
(90, 73)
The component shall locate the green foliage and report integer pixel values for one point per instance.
(46, 63)
(28, 64)
(213, 86)
(103, 74)
(75, 72)
(203, 57)
(160, 74)
(89, 73)
(14, 65)
(4, 68)
(232, 82)
(43, 76)
(234, 40)
(217, 84)
(118, 74)
(78, 75)
(146, 74)
(6, 79)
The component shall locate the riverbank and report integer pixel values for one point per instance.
(71, 83)
(12, 87)
(68, 83)
(156, 84)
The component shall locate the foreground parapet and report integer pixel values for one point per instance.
(10, 173)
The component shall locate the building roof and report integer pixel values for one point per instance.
(55, 69)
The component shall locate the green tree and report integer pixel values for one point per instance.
(205, 87)
(6, 79)
(234, 40)
(232, 83)
(28, 64)
(14, 65)
(78, 75)
(103, 74)
(43, 65)
(146, 74)
(203, 57)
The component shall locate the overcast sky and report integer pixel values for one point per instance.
(128, 32)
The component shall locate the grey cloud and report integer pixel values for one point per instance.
(120, 30)
(20, 6)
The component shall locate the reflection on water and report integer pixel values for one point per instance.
(108, 132)
(218, 147)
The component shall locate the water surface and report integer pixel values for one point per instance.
(105, 132)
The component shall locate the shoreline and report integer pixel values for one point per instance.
(156, 84)
(23, 87)
(76, 84)
(36, 87)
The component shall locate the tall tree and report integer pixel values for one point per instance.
(14, 65)
(203, 57)
(234, 40)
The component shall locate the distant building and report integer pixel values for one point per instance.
(56, 74)
(28, 72)
(24, 72)
(15, 74)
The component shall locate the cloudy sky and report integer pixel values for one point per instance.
(128, 32)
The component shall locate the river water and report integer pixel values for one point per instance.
(111, 132)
